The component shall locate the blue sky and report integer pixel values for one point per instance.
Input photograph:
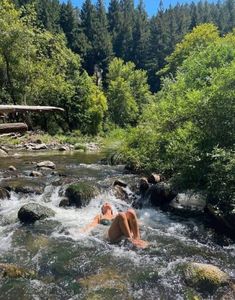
(151, 5)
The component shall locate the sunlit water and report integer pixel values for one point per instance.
(70, 264)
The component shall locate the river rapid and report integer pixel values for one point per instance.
(74, 265)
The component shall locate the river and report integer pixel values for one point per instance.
(74, 265)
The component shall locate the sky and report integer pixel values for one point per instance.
(150, 5)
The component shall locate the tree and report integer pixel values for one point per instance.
(128, 92)
(141, 35)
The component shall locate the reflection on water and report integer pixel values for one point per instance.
(75, 265)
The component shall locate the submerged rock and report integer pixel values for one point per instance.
(4, 194)
(23, 185)
(204, 277)
(46, 164)
(80, 194)
(31, 212)
(106, 284)
(13, 271)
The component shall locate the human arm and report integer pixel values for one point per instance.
(91, 225)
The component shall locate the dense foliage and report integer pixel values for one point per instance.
(188, 133)
(37, 68)
(126, 31)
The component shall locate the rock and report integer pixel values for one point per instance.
(120, 183)
(154, 178)
(105, 282)
(35, 174)
(13, 271)
(46, 164)
(120, 193)
(12, 168)
(4, 194)
(3, 153)
(31, 212)
(204, 277)
(38, 141)
(63, 148)
(189, 201)
(143, 185)
(64, 202)
(224, 221)
(160, 194)
(39, 147)
(80, 194)
(23, 185)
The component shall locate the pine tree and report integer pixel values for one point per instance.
(115, 21)
(126, 37)
(48, 12)
(141, 36)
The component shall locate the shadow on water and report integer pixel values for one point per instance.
(69, 264)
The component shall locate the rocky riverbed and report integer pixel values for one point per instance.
(44, 255)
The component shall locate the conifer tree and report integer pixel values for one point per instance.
(141, 37)
(115, 21)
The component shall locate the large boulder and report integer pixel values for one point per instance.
(31, 212)
(189, 202)
(23, 185)
(13, 271)
(4, 194)
(143, 185)
(80, 194)
(160, 194)
(204, 277)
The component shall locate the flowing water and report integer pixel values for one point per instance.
(74, 265)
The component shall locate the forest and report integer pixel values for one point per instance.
(164, 86)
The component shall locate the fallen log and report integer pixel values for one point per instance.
(25, 108)
(13, 127)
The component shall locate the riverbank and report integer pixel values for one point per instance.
(36, 141)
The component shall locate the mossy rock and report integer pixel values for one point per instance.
(80, 194)
(107, 284)
(31, 212)
(13, 271)
(204, 277)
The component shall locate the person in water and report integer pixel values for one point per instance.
(123, 224)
